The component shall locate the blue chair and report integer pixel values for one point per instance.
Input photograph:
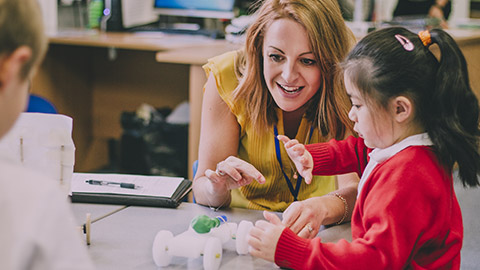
(40, 104)
(194, 169)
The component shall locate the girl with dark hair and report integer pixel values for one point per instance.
(416, 118)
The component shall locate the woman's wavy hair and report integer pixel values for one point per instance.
(330, 41)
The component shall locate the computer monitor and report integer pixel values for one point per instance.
(220, 9)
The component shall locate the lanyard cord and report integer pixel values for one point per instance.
(295, 190)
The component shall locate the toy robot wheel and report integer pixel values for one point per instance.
(160, 248)
(212, 254)
(241, 239)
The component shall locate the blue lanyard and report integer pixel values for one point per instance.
(295, 190)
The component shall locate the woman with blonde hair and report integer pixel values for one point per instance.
(284, 81)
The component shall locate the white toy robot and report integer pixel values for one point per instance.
(204, 237)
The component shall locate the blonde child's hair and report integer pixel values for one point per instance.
(21, 24)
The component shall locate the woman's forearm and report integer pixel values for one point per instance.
(345, 197)
(340, 205)
(206, 193)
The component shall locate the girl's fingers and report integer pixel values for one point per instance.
(272, 218)
(283, 138)
(291, 144)
(299, 149)
(308, 178)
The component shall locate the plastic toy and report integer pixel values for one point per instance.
(204, 237)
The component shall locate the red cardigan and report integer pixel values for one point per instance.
(406, 217)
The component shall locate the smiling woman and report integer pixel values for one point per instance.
(283, 82)
(290, 68)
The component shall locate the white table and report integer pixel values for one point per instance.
(124, 240)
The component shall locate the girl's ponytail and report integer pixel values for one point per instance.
(454, 119)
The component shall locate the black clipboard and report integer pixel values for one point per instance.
(120, 196)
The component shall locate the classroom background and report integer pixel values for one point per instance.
(129, 73)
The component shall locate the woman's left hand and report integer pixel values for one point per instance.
(305, 217)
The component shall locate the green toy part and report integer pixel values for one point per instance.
(203, 223)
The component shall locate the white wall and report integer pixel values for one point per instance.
(460, 10)
(384, 9)
(50, 15)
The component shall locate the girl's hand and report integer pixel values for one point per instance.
(233, 173)
(263, 237)
(300, 156)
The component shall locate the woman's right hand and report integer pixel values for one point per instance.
(233, 173)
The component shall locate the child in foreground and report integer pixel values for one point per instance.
(416, 117)
(37, 227)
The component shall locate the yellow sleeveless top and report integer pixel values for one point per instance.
(259, 150)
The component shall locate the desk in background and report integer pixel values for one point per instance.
(94, 76)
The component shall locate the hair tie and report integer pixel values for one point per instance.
(425, 38)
